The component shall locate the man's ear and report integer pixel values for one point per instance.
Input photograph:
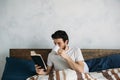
(66, 42)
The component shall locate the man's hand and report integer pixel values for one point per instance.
(62, 53)
(39, 70)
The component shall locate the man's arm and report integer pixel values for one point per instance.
(77, 66)
(41, 71)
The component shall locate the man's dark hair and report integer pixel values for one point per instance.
(60, 34)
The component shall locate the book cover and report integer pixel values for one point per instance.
(38, 60)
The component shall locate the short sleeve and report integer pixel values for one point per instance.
(78, 55)
(49, 61)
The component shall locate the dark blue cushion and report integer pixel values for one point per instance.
(114, 61)
(98, 64)
(18, 69)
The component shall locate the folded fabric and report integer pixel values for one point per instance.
(109, 74)
(38, 77)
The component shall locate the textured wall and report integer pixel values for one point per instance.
(30, 23)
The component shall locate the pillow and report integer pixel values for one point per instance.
(114, 61)
(98, 64)
(18, 69)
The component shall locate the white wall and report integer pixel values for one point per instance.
(30, 23)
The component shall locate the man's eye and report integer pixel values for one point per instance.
(59, 44)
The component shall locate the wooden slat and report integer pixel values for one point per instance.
(87, 53)
(96, 53)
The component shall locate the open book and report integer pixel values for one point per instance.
(38, 60)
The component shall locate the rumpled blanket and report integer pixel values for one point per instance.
(68, 74)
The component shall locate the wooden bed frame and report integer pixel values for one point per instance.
(87, 53)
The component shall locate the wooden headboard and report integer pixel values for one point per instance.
(87, 53)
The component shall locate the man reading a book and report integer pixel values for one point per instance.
(65, 58)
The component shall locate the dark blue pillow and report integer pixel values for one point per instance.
(114, 61)
(98, 64)
(18, 69)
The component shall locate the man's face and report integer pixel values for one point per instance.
(60, 43)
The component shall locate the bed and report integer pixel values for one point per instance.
(19, 65)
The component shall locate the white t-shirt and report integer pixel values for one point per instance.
(60, 63)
